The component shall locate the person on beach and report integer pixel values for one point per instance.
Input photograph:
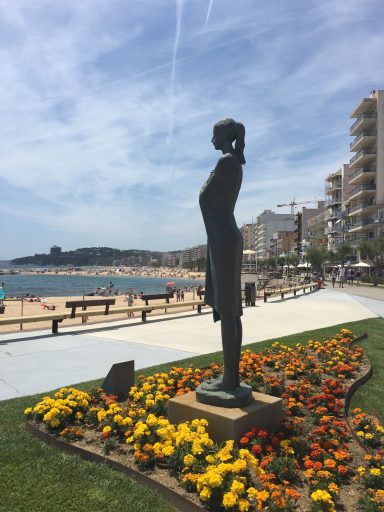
(130, 304)
(217, 200)
(341, 276)
(2, 294)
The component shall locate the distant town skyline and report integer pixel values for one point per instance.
(108, 108)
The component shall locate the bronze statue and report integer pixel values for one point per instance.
(224, 257)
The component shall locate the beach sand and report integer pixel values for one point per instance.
(14, 308)
(162, 272)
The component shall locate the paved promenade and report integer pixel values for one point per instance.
(39, 361)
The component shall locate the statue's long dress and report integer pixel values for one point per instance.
(225, 242)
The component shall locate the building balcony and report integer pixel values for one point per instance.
(365, 121)
(362, 174)
(363, 140)
(359, 207)
(363, 157)
(366, 104)
(333, 201)
(333, 187)
(333, 214)
(363, 191)
(363, 224)
(354, 239)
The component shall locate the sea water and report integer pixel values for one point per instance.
(55, 285)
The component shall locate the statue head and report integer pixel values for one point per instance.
(226, 132)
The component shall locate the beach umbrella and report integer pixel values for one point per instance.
(171, 283)
(362, 264)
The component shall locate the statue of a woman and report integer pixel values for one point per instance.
(224, 257)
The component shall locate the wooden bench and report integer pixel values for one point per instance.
(84, 304)
(54, 317)
(157, 296)
(59, 317)
(288, 289)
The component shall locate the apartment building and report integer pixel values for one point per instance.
(365, 202)
(317, 231)
(282, 244)
(191, 254)
(248, 232)
(268, 223)
(337, 190)
(301, 224)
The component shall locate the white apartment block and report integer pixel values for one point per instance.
(268, 223)
(365, 202)
(190, 254)
(337, 192)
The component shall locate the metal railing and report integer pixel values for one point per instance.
(362, 170)
(366, 133)
(360, 188)
(366, 115)
(359, 206)
(366, 151)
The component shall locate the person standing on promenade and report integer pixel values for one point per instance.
(358, 277)
(341, 276)
(2, 294)
(333, 277)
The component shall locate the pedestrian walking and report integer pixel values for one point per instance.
(341, 276)
(333, 277)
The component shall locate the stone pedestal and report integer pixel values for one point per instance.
(264, 411)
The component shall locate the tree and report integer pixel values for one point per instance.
(342, 252)
(316, 257)
(374, 250)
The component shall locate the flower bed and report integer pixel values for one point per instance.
(311, 462)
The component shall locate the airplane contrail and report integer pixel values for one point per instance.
(208, 12)
(179, 12)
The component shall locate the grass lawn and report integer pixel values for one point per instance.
(37, 478)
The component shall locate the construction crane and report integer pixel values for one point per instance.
(293, 203)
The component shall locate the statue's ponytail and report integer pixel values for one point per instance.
(240, 142)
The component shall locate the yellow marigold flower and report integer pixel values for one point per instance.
(79, 415)
(361, 470)
(229, 500)
(210, 459)
(360, 433)
(55, 422)
(243, 505)
(28, 410)
(205, 494)
(168, 450)
(189, 460)
(107, 429)
(151, 420)
(322, 497)
(239, 466)
(237, 487)
(375, 471)
(214, 479)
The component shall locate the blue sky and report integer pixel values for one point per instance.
(107, 108)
